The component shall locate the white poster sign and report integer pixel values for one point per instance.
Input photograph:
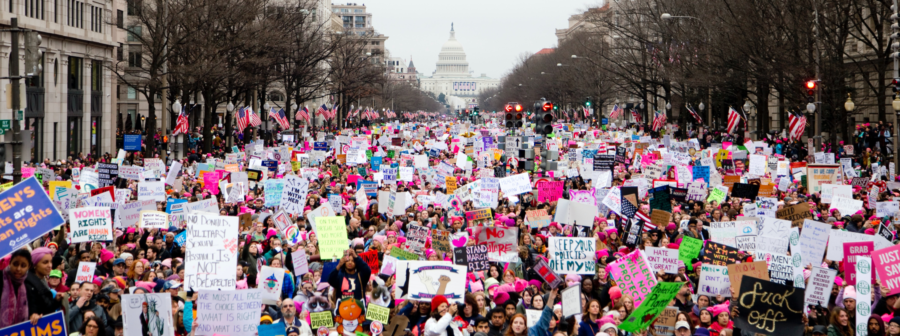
(211, 251)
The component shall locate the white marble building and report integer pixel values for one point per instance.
(453, 78)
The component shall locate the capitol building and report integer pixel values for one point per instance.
(453, 78)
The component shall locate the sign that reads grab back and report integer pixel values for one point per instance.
(26, 213)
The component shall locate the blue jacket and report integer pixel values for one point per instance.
(587, 328)
(541, 327)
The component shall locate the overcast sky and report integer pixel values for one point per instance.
(494, 33)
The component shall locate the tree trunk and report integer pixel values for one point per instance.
(762, 104)
(207, 122)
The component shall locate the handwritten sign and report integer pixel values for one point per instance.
(211, 251)
(332, 235)
(634, 276)
(154, 219)
(752, 308)
(662, 259)
(85, 272)
(91, 224)
(572, 255)
(502, 242)
(231, 312)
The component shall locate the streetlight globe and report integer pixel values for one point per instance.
(668, 106)
(701, 106)
(229, 107)
(266, 106)
(849, 105)
(293, 107)
(811, 107)
(747, 105)
(559, 64)
(176, 106)
(574, 56)
(896, 103)
(665, 16)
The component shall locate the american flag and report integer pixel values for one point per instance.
(734, 120)
(334, 111)
(323, 111)
(658, 121)
(243, 119)
(303, 113)
(181, 124)
(797, 125)
(254, 118)
(280, 118)
(695, 114)
(616, 112)
(636, 115)
(648, 224)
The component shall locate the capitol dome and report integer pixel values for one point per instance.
(452, 59)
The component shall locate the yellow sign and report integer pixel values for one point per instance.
(53, 185)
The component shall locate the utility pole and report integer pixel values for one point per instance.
(16, 103)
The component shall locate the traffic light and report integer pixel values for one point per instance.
(520, 115)
(587, 102)
(544, 120)
(895, 84)
(32, 53)
(509, 109)
(514, 115)
(811, 91)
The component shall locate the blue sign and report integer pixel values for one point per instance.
(28, 213)
(275, 329)
(320, 146)
(181, 238)
(173, 201)
(49, 325)
(132, 142)
(701, 172)
(376, 162)
(371, 187)
(271, 164)
(434, 152)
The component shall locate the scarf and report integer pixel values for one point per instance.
(13, 300)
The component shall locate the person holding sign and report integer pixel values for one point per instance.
(441, 315)
(518, 322)
(351, 277)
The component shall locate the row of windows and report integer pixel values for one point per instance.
(75, 14)
(96, 19)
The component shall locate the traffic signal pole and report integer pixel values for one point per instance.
(14, 78)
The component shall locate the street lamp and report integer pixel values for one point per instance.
(849, 105)
(667, 16)
(896, 103)
(668, 106)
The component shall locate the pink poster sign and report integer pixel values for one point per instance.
(549, 191)
(634, 276)
(211, 182)
(351, 180)
(851, 250)
(27, 172)
(887, 266)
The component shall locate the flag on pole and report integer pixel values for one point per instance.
(280, 118)
(658, 121)
(616, 112)
(181, 124)
(254, 118)
(323, 111)
(636, 115)
(797, 125)
(734, 120)
(303, 113)
(243, 119)
(334, 111)
(695, 115)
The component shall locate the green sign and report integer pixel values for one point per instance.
(655, 303)
(20, 115)
(401, 254)
(688, 250)
(5, 125)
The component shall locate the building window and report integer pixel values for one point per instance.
(275, 96)
(134, 7)
(134, 56)
(134, 32)
(96, 76)
(120, 52)
(76, 71)
(132, 93)
(358, 11)
(34, 8)
(360, 22)
(76, 14)
(96, 19)
(347, 23)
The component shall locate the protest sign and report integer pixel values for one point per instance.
(157, 320)
(665, 322)
(795, 213)
(572, 255)
(719, 254)
(416, 237)
(537, 219)
(479, 214)
(475, 258)
(402, 254)
(781, 267)
(744, 190)
(662, 259)
(440, 241)
(155, 191)
(688, 250)
(131, 172)
(813, 239)
(550, 277)
(428, 281)
(293, 194)
(270, 280)
(634, 275)
(752, 306)
(818, 289)
(887, 263)
(378, 313)
(106, 174)
(571, 301)
(324, 210)
(836, 240)
(863, 292)
(502, 242)
(39, 215)
(549, 191)
(321, 319)
(532, 316)
(48, 325)
(714, 281)
(652, 306)
(211, 251)
(154, 219)
(514, 185)
(660, 217)
(756, 269)
(301, 264)
(274, 189)
(852, 250)
(91, 224)
(332, 235)
(231, 312)
(85, 272)
(774, 235)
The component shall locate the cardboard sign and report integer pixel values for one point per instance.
(85, 272)
(154, 220)
(795, 213)
(91, 224)
(634, 276)
(550, 277)
(475, 258)
(660, 217)
(571, 301)
(744, 190)
(662, 259)
(756, 269)
(714, 281)
(572, 255)
(750, 304)
(221, 314)
(212, 249)
(719, 254)
(502, 242)
(852, 250)
(321, 319)
(818, 289)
